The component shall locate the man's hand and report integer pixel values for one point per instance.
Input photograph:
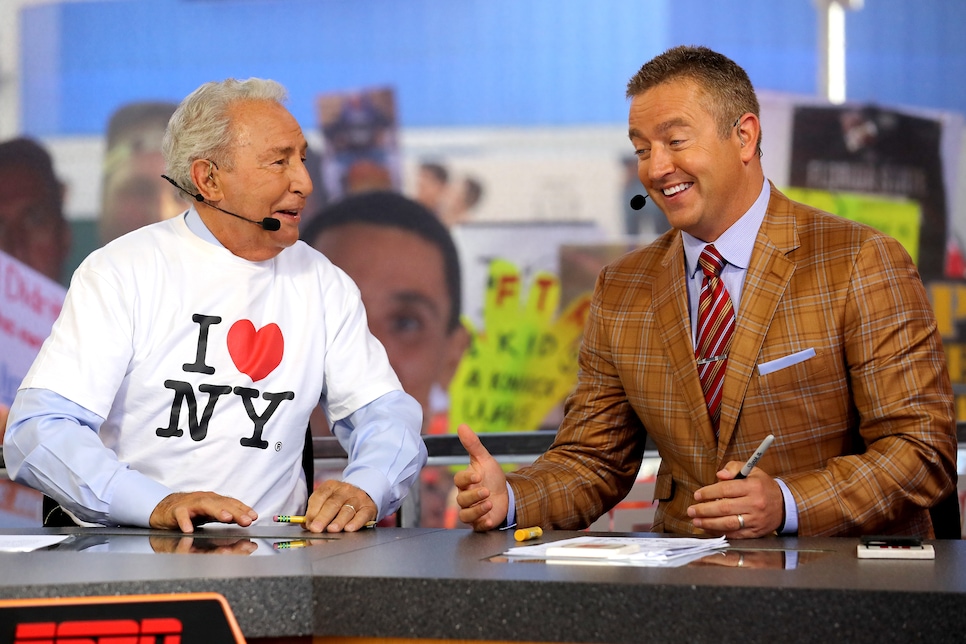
(758, 499)
(482, 497)
(336, 506)
(185, 510)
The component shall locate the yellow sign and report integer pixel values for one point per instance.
(524, 361)
(896, 217)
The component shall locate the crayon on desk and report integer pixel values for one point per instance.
(526, 534)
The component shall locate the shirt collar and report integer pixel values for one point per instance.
(195, 224)
(736, 243)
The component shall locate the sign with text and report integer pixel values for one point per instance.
(29, 304)
(523, 361)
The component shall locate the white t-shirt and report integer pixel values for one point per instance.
(206, 366)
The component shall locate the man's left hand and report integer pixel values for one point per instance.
(742, 509)
(336, 506)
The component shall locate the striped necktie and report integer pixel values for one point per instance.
(716, 323)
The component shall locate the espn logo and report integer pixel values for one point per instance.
(161, 630)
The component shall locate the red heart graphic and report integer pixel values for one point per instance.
(255, 353)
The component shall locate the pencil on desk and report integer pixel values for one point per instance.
(292, 518)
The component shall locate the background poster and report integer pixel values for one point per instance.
(360, 142)
(29, 304)
(876, 151)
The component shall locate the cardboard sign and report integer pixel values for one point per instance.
(523, 360)
(29, 304)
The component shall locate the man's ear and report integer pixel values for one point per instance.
(748, 130)
(203, 173)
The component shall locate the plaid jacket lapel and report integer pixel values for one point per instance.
(769, 272)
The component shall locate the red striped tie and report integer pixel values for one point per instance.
(716, 323)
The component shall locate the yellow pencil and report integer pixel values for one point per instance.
(286, 518)
(291, 518)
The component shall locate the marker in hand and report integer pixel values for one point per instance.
(750, 465)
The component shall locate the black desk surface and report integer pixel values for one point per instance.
(427, 583)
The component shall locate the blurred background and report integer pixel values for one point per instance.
(526, 98)
(506, 118)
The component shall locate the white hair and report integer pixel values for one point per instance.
(201, 127)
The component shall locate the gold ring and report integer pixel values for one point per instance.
(741, 522)
(349, 505)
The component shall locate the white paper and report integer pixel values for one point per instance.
(29, 542)
(651, 551)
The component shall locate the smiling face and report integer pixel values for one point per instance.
(702, 182)
(267, 178)
(402, 279)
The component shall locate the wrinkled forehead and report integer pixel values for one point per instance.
(265, 128)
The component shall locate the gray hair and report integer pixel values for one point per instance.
(201, 127)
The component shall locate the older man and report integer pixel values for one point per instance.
(177, 384)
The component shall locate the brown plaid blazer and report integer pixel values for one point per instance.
(864, 430)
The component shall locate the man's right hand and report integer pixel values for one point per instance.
(482, 495)
(184, 510)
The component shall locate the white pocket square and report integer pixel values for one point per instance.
(771, 366)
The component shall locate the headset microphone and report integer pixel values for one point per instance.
(268, 223)
(637, 201)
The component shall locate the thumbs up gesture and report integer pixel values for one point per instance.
(481, 488)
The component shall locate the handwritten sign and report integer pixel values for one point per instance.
(29, 304)
(523, 361)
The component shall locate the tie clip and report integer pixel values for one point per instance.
(712, 359)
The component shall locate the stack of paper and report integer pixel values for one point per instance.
(624, 551)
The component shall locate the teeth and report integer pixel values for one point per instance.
(673, 190)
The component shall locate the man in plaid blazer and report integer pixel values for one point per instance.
(835, 351)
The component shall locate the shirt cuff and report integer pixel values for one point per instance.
(791, 511)
(511, 509)
(135, 497)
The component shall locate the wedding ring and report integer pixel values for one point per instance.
(349, 505)
(741, 522)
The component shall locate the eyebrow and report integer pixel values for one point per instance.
(286, 150)
(661, 127)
